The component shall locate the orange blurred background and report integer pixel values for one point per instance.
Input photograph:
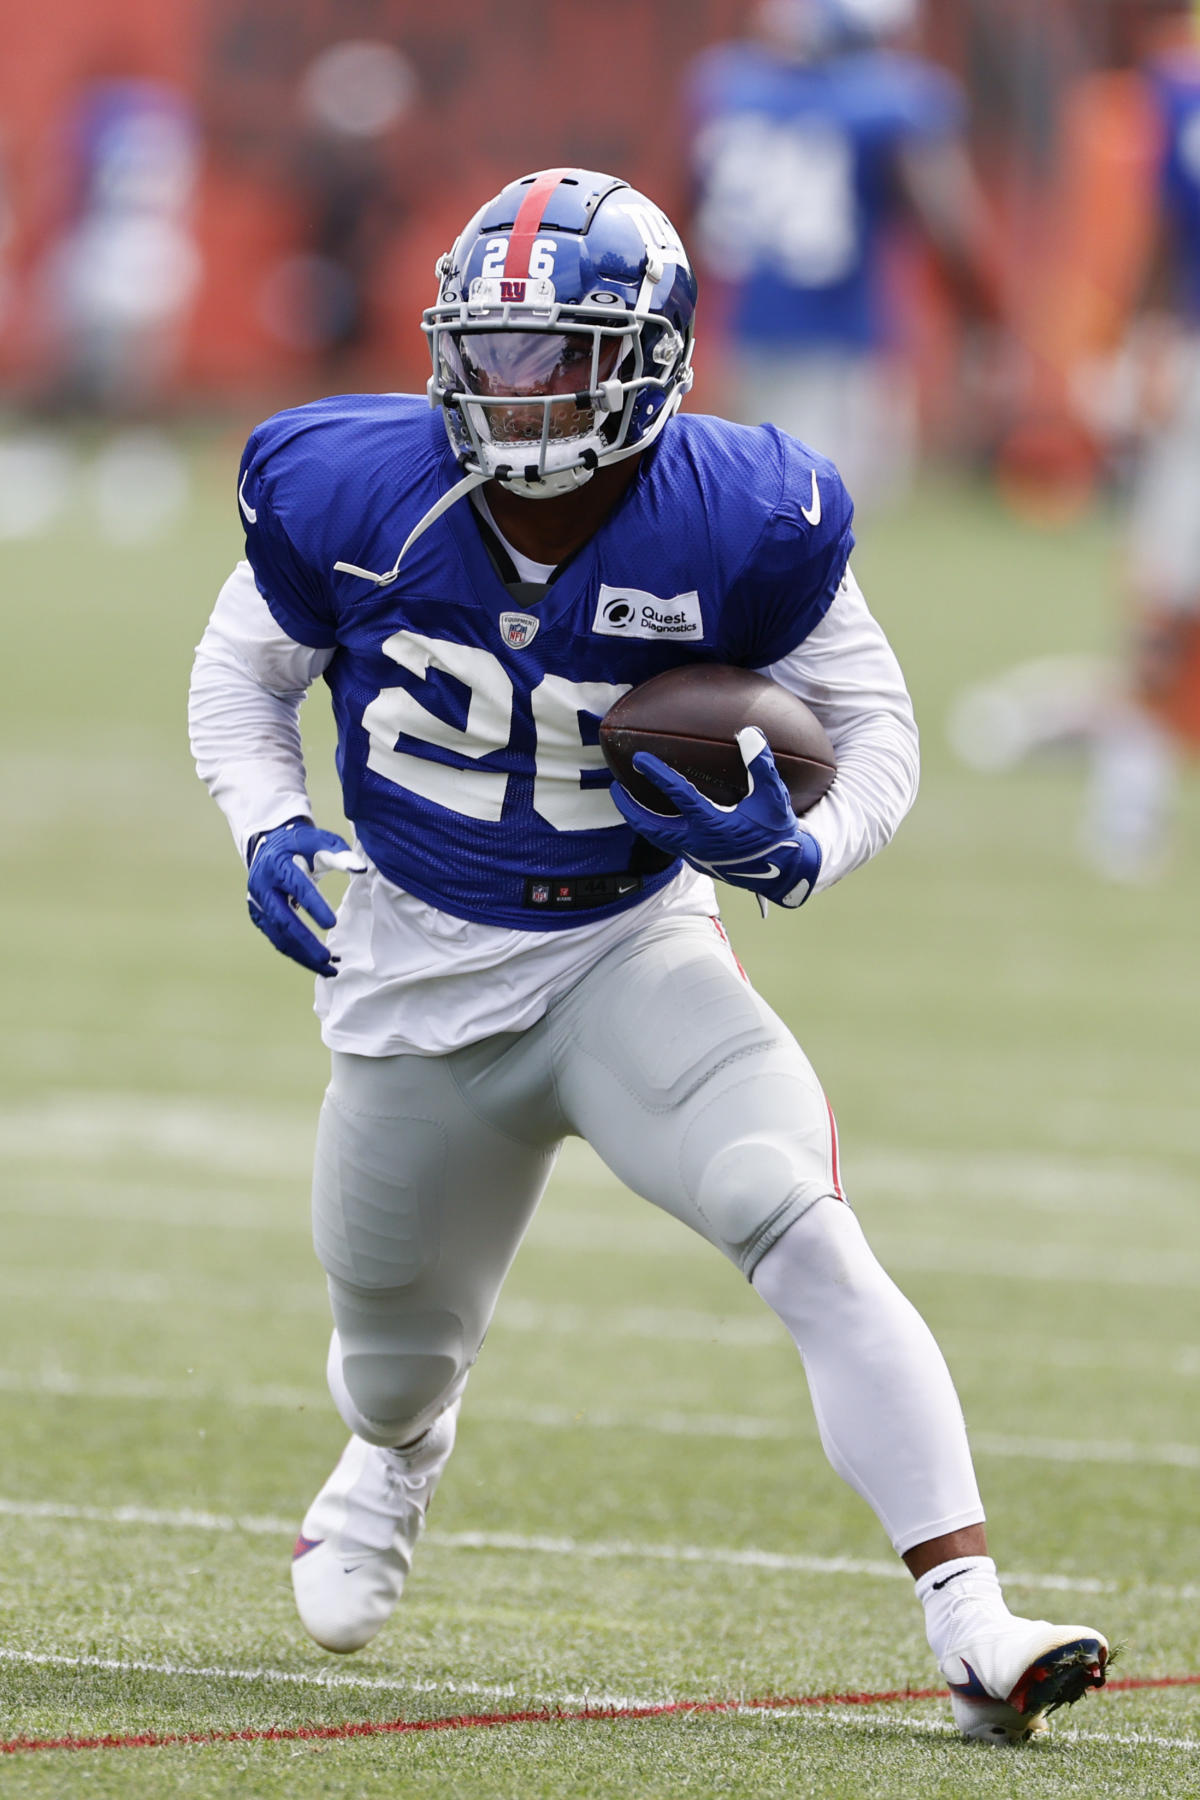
(495, 90)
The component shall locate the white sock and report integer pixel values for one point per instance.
(962, 1599)
(1131, 798)
(886, 1408)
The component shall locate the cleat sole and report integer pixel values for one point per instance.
(1061, 1677)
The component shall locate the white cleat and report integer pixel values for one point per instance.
(1005, 1683)
(356, 1543)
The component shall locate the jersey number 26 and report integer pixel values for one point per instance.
(562, 757)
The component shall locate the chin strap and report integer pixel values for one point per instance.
(475, 479)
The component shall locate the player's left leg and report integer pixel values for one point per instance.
(698, 1096)
(891, 1426)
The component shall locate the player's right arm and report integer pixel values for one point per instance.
(248, 681)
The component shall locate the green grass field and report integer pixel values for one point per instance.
(639, 1514)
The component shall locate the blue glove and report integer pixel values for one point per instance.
(756, 844)
(278, 887)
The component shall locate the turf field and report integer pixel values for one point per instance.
(641, 1579)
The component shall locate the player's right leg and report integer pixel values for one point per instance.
(419, 1204)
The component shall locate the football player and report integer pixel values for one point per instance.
(811, 143)
(526, 953)
(1132, 801)
(1115, 326)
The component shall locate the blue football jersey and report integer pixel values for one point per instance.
(468, 707)
(794, 167)
(1175, 84)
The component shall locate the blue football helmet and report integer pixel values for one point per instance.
(811, 29)
(561, 338)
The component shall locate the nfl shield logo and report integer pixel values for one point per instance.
(518, 629)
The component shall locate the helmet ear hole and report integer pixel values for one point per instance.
(666, 348)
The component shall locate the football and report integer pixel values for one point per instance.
(690, 717)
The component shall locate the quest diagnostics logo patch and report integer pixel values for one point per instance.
(633, 613)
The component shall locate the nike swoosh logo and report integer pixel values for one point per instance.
(947, 1579)
(766, 874)
(972, 1688)
(251, 512)
(813, 513)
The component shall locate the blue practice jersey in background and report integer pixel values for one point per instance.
(1175, 83)
(467, 714)
(795, 184)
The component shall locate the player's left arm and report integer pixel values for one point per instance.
(847, 672)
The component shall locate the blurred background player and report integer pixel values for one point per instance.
(112, 293)
(812, 143)
(1113, 330)
(1155, 714)
(120, 274)
(344, 162)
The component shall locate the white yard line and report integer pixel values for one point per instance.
(243, 1140)
(858, 1718)
(1063, 1266)
(861, 1719)
(315, 1679)
(168, 1205)
(583, 1550)
(737, 1427)
(1087, 1450)
(653, 1324)
(208, 1131)
(75, 1126)
(1041, 1182)
(143, 1388)
(1126, 1740)
(585, 1233)
(124, 1287)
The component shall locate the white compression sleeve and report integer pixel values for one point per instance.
(889, 1417)
(847, 672)
(248, 681)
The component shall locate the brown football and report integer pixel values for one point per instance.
(690, 716)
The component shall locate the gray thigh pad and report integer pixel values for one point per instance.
(377, 1190)
(693, 1091)
(419, 1204)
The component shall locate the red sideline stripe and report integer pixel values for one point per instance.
(835, 1160)
(152, 1740)
(528, 222)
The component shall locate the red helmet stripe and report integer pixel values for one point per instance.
(528, 222)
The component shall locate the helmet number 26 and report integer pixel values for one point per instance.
(541, 257)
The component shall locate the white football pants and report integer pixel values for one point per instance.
(429, 1169)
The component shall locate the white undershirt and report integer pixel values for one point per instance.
(526, 568)
(415, 978)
